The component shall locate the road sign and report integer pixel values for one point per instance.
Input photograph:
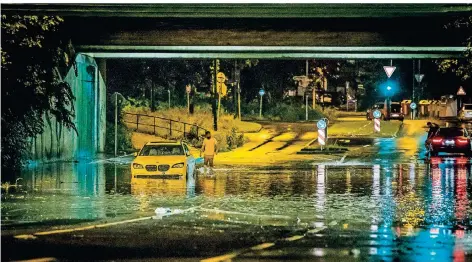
(188, 88)
(389, 70)
(461, 91)
(322, 136)
(321, 124)
(377, 114)
(221, 88)
(261, 92)
(413, 105)
(419, 77)
(220, 77)
(377, 125)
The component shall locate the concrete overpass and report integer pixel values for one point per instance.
(269, 31)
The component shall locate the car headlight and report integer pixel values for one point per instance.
(137, 166)
(178, 165)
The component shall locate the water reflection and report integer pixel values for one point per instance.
(409, 211)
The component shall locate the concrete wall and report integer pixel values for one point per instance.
(60, 143)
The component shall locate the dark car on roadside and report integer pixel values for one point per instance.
(449, 140)
(395, 111)
(370, 112)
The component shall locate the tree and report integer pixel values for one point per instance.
(461, 67)
(33, 61)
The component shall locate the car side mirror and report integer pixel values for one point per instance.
(135, 154)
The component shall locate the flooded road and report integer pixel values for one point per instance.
(393, 206)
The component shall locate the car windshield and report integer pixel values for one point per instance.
(395, 108)
(162, 150)
(450, 132)
(468, 107)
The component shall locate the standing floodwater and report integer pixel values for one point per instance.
(386, 211)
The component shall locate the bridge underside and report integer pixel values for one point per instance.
(270, 52)
(265, 31)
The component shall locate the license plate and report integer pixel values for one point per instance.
(449, 142)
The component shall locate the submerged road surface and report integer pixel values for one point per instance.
(391, 206)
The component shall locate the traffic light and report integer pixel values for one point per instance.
(389, 88)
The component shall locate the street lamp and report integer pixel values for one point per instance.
(168, 91)
(261, 93)
(116, 122)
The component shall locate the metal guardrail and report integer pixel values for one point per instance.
(155, 122)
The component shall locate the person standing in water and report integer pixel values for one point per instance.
(209, 149)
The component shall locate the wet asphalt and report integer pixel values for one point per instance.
(389, 203)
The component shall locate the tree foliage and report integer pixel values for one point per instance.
(33, 58)
(461, 67)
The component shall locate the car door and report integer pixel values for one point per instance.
(190, 160)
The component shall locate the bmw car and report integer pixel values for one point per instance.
(449, 140)
(163, 160)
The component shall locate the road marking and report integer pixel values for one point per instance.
(42, 259)
(240, 213)
(258, 247)
(262, 246)
(223, 257)
(69, 230)
(60, 231)
(294, 238)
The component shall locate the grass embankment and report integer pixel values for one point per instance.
(363, 129)
(230, 132)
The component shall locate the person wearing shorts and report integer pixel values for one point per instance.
(209, 149)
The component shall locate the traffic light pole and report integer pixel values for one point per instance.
(214, 98)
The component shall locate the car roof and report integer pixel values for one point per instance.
(164, 143)
(454, 128)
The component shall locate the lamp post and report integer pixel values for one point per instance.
(116, 122)
(306, 107)
(261, 93)
(389, 88)
(168, 91)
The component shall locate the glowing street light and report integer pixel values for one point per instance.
(389, 88)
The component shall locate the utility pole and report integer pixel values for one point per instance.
(153, 108)
(116, 124)
(419, 72)
(216, 65)
(239, 101)
(306, 67)
(306, 107)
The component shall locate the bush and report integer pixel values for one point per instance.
(292, 112)
(234, 140)
(329, 112)
(124, 138)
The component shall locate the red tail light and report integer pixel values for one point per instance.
(462, 160)
(462, 140)
(435, 160)
(437, 140)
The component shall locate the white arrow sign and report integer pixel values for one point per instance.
(419, 77)
(389, 70)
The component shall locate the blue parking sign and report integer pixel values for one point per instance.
(413, 105)
(321, 124)
(377, 114)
